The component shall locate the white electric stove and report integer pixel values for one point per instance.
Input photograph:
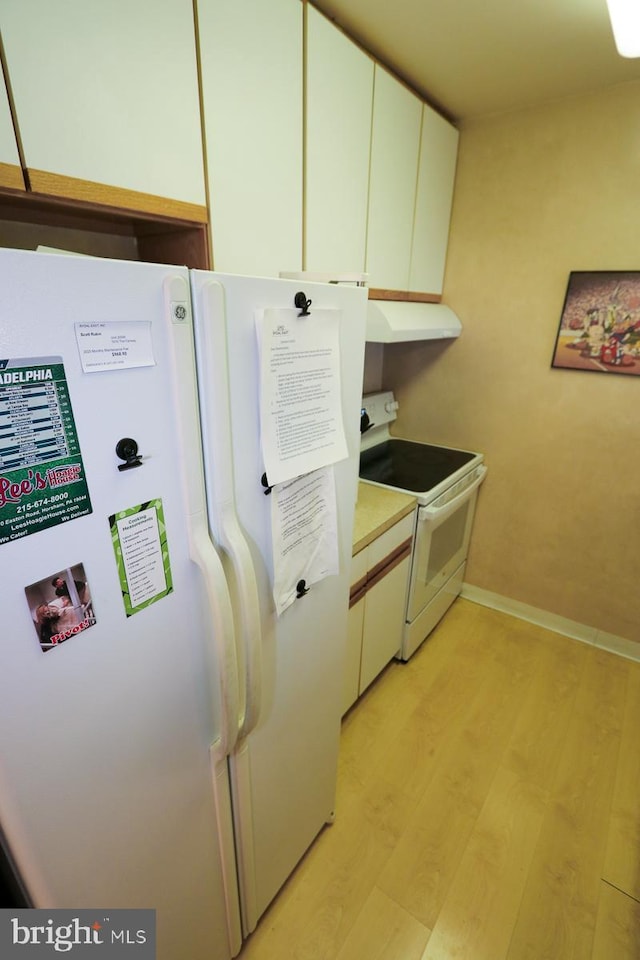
(445, 482)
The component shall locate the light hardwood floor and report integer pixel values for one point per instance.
(488, 808)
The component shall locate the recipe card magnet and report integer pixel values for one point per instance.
(139, 540)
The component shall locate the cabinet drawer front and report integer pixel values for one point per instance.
(390, 562)
(359, 565)
(390, 541)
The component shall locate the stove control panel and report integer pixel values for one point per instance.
(378, 409)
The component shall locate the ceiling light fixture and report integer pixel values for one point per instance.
(625, 22)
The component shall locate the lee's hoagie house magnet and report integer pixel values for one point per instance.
(42, 476)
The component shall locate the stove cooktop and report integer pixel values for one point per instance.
(408, 465)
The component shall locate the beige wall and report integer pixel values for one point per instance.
(540, 193)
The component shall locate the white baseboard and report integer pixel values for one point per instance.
(569, 628)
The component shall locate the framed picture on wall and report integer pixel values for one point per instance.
(600, 323)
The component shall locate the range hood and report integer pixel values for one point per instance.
(396, 321)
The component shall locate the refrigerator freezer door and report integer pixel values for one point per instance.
(213, 381)
(284, 771)
(106, 791)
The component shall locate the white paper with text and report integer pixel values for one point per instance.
(305, 534)
(117, 345)
(300, 392)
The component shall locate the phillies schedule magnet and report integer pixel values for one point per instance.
(42, 478)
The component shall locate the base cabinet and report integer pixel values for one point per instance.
(351, 680)
(383, 622)
(379, 581)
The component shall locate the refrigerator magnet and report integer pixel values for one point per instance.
(42, 476)
(61, 606)
(139, 540)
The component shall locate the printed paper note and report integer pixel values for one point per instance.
(117, 345)
(305, 539)
(300, 392)
(140, 543)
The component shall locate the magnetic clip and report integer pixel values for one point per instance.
(265, 484)
(127, 450)
(301, 589)
(301, 302)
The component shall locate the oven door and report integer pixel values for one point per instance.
(442, 538)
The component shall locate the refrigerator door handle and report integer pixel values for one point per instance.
(213, 382)
(250, 623)
(221, 649)
(204, 555)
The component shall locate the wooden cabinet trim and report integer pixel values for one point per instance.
(407, 296)
(11, 177)
(54, 185)
(160, 239)
(357, 591)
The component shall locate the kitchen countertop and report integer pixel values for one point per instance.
(377, 509)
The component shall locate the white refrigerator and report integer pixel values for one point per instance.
(167, 740)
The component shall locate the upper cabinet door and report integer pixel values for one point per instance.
(10, 168)
(395, 144)
(251, 67)
(438, 154)
(339, 97)
(106, 96)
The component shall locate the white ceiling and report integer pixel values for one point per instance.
(476, 57)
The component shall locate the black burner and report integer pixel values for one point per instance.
(411, 466)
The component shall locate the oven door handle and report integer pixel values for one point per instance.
(432, 514)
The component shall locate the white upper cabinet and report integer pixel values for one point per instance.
(339, 97)
(438, 153)
(395, 144)
(107, 93)
(10, 168)
(251, 65)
